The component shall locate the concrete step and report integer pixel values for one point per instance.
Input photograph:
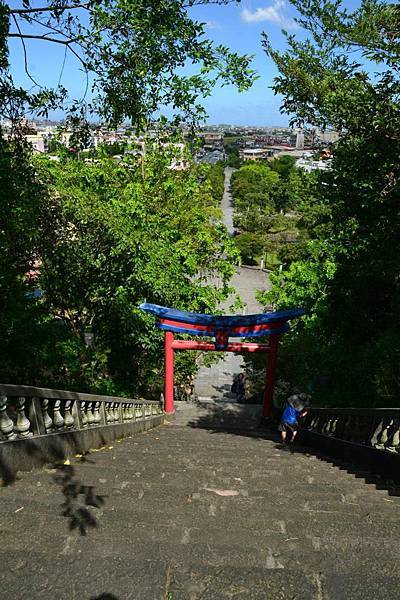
(164, 528)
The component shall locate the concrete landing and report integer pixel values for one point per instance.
(217, 414)
(183, 513)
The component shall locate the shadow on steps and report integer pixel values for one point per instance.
(245, 420)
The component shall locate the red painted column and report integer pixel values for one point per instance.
(168, 372)
(270, 374)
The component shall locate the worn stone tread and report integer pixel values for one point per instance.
(297, 528)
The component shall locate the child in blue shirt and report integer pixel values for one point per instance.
(297, 406)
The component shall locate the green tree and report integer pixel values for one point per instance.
(132, 52)
(124, 233)
(284, 165)
(345, 75)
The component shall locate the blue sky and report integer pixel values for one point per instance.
(238, 26)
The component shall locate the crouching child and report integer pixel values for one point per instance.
(296, 407)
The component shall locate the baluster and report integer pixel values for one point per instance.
(339, 426)
(89, 414)
(47, 420)
(68, 418)
(96, 413)
(109, 417)
(334, 425)
(377, 433)
(116, 412)
(6, 424)
(391, 433)
(57, 416)
(23, 424)
(363, 429)
(396, 436)
(130, 412)
(348, 427)
(385, 433)
(82, 408)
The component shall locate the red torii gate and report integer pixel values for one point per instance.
(221, 327)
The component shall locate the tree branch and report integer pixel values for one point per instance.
(43, 37)
(54, 40)
(25, 54)
(25, 11)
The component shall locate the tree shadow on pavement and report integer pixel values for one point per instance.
(78, 497)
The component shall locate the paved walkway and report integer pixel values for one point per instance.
(215, 382)
(190, 514)
(227, 203)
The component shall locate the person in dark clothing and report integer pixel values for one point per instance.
(238, 387)
(297, 406)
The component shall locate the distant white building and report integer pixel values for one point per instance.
(37, 143)
(256, 154)
(327, 137)
(309, 165)
(299, 140)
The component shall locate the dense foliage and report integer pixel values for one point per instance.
(83, 242)
(346, 76)
(268, 200)
(109, 235)
(132, 52)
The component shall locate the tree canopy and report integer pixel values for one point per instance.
(346, 75)
(133, 53)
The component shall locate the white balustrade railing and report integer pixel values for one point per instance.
(377, 428)
(26, 411)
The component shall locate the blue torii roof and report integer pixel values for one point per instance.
(179, 321)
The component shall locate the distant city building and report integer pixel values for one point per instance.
(327, 137)
(37, 142)
(308, 164)
(211, 157)
(256, 154)
(212, 139)
(299, 140)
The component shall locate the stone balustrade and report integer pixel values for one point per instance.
(29, 411)
(362, 437)
(374, 428)
(38, 424)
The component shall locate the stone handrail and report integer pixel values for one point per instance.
(377, 428)
(28, 412)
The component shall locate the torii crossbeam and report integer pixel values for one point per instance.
(221, 328)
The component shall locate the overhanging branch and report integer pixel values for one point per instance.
(26, 11)
(53, 40)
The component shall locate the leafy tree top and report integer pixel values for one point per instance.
(133, 52)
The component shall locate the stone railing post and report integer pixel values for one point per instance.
(36, 417)
(6, 424)
(22, 426)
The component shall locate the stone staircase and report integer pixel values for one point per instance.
(191, 510)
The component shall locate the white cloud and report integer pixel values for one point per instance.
(212, 25)
(273, 14)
